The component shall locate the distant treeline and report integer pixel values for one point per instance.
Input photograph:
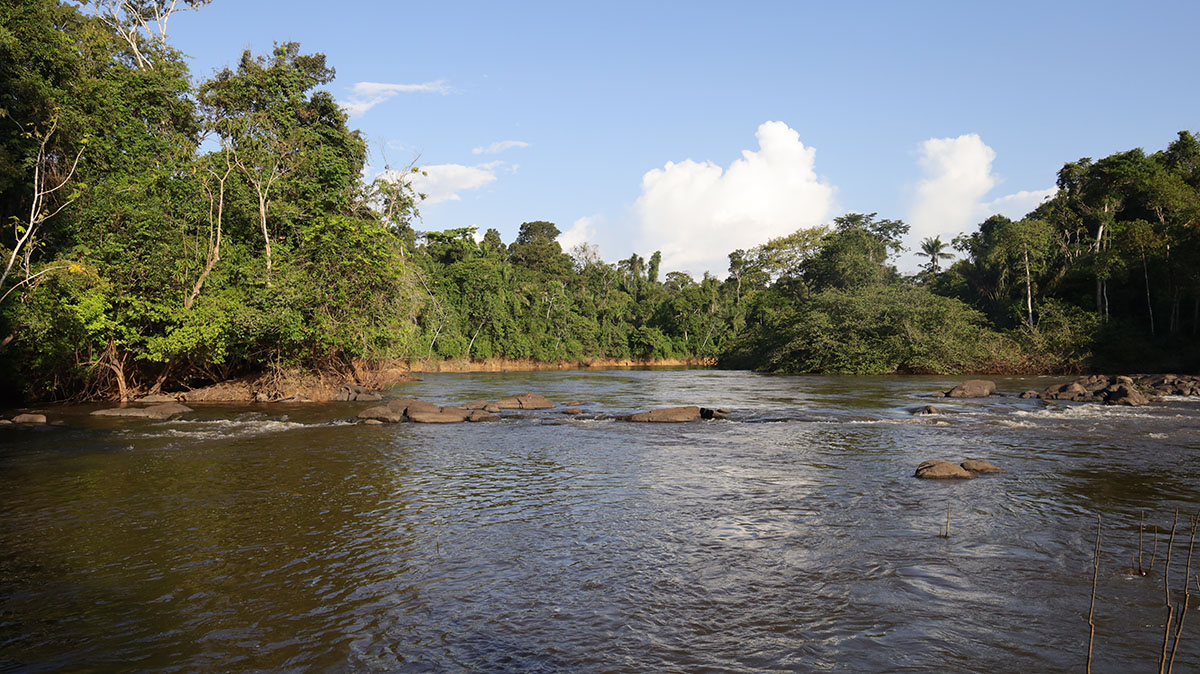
(161, 232)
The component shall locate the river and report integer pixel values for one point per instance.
(791, 537)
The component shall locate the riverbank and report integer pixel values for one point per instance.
(363, 381)
(531, 365)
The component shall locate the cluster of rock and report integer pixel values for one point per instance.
(1119, 390)
(944, 470)
(1170, 384)
(1097, 388)
(422, 412)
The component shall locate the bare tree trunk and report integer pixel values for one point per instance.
(217, 204)
(262, 215)
(39, 210)
(1028, 291)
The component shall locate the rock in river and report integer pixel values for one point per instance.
(164, 411)
(981, 467)
(29, 419)
(667, 415)
(942, 470)
(973, 388)
(525, 401)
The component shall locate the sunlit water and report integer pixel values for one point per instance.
(790, 538)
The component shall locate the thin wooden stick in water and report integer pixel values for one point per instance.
(1092, 610)
(1141, 529)
(1162, 659)
(1187, 596)
(1154, 555)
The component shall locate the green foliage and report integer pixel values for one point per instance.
(885, 329)
(162, 263)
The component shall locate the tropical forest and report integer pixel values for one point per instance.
(164, 229)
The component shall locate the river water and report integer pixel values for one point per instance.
(791, 537)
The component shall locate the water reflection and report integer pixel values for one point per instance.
(285, 540)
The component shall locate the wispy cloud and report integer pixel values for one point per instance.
(366, 95)
(500, 147)
(445, 182)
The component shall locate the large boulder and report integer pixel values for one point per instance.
(667, 415)
(382, 413)
(408, 405)
(976, 466)
(444, 415)
(525, 401)
(942, 470)
(475, 405)
(973, 388)
(1069, 391)
(29, 419)
(1124, 394)
(164, 411)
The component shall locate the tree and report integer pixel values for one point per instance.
(935, 250)
(52, 172)
(1023, 247)
(259, 111)
(135, 20)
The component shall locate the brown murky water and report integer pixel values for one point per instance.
(791, 539)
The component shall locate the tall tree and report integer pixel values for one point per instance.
(935, 250)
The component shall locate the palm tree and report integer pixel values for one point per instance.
(936, 250)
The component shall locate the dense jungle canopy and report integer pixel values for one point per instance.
(161, 231)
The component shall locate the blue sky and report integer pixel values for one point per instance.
(697, 128)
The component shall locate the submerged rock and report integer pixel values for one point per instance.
(164, 411)
(980, 467)
(942, 470)
(973, 388)
(481, 415)
(927, 410)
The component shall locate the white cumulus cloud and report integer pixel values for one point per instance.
(958, 174)
(500, 146)
(366, 95)
(952, 197)
(696, 213)
(582, 230)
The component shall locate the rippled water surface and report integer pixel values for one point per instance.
(789, 538)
